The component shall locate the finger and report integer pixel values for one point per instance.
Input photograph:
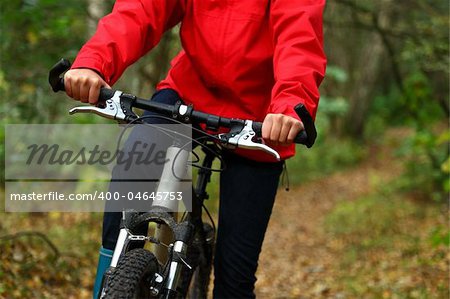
(266, 127)
(84, 90)
(296, 128)
(68, 85)
(75, 88)
(285, 128)
(275, 130)
(94, 91)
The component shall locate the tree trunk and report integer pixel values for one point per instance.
(370, 62)
(96, 10)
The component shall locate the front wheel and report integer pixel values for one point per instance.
(132, 276)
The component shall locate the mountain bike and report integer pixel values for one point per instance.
(181, 262)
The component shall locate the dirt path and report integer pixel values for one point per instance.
(296, 256)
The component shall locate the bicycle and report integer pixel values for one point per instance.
(182, 269)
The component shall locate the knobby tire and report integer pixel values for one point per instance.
(132, 275)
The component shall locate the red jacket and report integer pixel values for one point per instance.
(240, 58)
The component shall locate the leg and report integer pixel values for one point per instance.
(247, 195)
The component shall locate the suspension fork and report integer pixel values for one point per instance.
(193, 223)
(175, 169)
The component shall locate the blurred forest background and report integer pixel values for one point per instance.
(380, 168)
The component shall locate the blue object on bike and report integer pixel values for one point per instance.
(104, 260)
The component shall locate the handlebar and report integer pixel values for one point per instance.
(178, 111)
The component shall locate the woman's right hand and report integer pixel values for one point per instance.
(84, 85)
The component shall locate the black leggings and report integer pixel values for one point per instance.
(247, 193)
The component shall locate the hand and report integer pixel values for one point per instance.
(84, 85)
(280, 129)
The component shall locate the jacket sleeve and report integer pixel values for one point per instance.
(127, 33)
(299, 60)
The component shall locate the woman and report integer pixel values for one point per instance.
(252, 59)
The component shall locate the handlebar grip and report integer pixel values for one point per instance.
(308, 123)
(105, 94)
(306, 136)
(54, 76)
(57, 81)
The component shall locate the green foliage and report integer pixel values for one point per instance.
(411, 78)
(333, 107)
(337, 73)
(39, 33)
(440, 236)
(36, 38)
(427, 171)
(426, 150)
(386, 110)
(425, 31)
(418, 101)
(415, 108)
(2, 154)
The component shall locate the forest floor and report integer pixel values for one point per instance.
(348, 235)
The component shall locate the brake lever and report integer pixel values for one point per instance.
(112, 110)
(244, 139)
